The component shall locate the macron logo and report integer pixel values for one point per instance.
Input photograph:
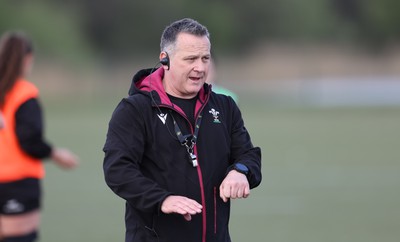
(163, 117)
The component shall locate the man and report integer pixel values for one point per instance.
(177, 152)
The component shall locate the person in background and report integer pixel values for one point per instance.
(22, 143)
(1, 121)
(212, 77)
(176, 151)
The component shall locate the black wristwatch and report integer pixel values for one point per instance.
(239, 167)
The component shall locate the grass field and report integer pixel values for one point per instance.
(329, 175)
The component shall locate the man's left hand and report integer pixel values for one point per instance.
(235, 185)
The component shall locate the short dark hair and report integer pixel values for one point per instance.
(186, 25)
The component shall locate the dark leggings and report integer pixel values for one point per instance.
(23, 238)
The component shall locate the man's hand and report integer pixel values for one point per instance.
(235, 185)
(181, 205)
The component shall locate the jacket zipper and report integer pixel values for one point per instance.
(203, 199)
(199, 173)
(215, 210)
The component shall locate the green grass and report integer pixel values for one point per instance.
(329, 175)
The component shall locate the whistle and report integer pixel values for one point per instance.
(194, 159)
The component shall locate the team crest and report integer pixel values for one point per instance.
(215, 113)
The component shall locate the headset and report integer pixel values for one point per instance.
(165, 61)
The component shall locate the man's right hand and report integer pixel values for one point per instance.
(181, 205)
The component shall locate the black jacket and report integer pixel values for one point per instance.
(144, 161)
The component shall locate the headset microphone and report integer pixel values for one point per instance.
(165, 61)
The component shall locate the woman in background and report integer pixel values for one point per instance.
(1, 121)
(22, 144)
(211, 79)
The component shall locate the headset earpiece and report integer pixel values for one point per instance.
(165, 61)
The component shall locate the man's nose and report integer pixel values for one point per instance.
(200, 66)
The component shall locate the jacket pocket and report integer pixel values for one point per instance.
(150, 230)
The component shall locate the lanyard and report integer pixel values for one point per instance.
(189, 140)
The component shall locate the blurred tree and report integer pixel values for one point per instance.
(374, 23)
(126, 28)
(52, 29)
(348, 9)
(383, 20)
(122, 29)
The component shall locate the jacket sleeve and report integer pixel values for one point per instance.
(123, 150)
(242, 149)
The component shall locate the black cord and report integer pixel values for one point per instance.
(155, 104)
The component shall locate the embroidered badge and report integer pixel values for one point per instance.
(215, 115)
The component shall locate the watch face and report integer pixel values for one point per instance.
(241, 168)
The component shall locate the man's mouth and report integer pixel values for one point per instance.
(194, 78)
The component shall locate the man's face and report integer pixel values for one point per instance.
(190, 63)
